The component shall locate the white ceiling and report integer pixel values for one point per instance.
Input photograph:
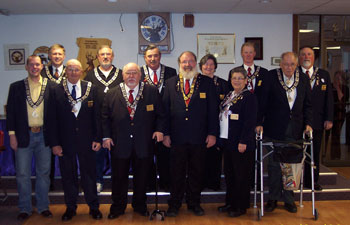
(16, 7)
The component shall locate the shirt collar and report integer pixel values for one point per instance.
(31, 82)
(311, 70)
(251, 67)
(136, 89)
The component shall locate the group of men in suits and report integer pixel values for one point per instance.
(126, 109)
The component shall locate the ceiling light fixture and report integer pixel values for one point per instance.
(265, 1)
(112, 0)
(305, 31)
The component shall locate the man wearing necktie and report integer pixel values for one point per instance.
(155, 73)
(132, 119)
(75, 134)
(286, 112)
(322, 108)
(105, 77)
(191, 107)
(56, 69)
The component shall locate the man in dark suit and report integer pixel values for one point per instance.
(104, 77)
(322, 108)
(54, 72)
(132, 115)
(154, 73)
(255, 73)
(27, 124)
(75, 134)
(192, 125)
(285, 113)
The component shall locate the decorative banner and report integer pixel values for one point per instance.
(88, 51)
(15, 56)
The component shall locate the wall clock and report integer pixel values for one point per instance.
(154, 28)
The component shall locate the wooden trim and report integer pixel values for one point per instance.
(295, 33)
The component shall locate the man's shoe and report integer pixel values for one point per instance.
(23, 216)
(172, 211)
(68, 215)
(290, 207)
(236, 213)
(142, 212)
(96, 214)
(114, 215)
(99, 187)
(224, 208)
(196, 209)
(46, 214)
(271, 205)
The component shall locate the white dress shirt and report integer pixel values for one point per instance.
(252, 70)
(293, 93)
(78, 95)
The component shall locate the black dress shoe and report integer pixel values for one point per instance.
(96, 214)
(172, 211)
(290, 207)
(46, 214)
(68, 215)
(224, 208)
(196, 209)
(114, 215)
(271, 205)
(142, 212)
(23, 216)
(236, 213)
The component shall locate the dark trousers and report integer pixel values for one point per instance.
(52, 171)
(317, 140)
(238, 173)
(69, 173)
(120, 182)
(163, 161)
(276, 191)
(186, 161)
(213, 165)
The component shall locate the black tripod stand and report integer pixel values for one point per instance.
(156, 211)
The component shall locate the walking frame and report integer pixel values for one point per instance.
(260, 143)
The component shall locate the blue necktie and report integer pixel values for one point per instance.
(74, 94)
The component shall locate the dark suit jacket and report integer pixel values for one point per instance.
(168, 72)
(243, 130)
(44, 75)
(90, 76)
(221, 88)
(17, 114)
(74, 133)
(136, 134)
(276, 114)
(192, 125)
(322, 99)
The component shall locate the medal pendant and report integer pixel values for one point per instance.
(288, 82)
(35, 114)
(289, 99)
(106, 89)
(249, 87)
(74, 110)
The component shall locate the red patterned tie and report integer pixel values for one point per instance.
(250, 84)
(131, 100)
(308, 75)
(56, 74)
(187, 90)
(155, 78)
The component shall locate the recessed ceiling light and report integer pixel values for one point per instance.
(305, 31)
(265, 1)
(112, 0)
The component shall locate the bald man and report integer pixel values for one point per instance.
(132, 117)
(75, 134)
(286, 113)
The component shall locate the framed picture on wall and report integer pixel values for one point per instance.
(15, 56)
(222, 46)
(258, 44)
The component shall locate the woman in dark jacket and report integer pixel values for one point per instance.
(238, 115)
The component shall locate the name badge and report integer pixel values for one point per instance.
(259, 83)
(234, 116)
(222, 97)
(324, 87)
(202, 95)
(149, 108)
(90, 103)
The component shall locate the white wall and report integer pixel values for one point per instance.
(39, 30)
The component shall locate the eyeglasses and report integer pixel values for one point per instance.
(238, 78)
